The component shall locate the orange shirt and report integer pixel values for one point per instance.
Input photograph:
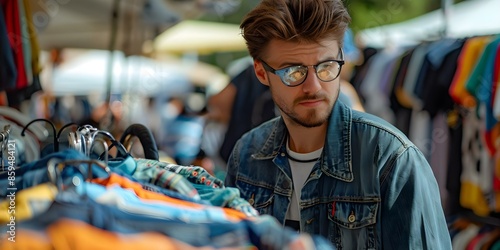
(76, 235)
(470, 54)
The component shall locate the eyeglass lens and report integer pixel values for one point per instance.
(295, 75)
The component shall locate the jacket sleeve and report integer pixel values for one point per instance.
(412, 214)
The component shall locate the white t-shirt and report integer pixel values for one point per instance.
(301, 166)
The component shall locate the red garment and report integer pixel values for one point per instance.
(496, 79)
(12, 21)
(496, 72)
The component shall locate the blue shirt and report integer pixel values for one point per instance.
(371, 189)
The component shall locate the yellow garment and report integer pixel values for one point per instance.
(41, 195)
(473, 198)
(35, 48)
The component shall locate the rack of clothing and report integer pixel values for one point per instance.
(20, 52)
(443, 95)
(84, 196)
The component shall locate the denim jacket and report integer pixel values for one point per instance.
(371, 189)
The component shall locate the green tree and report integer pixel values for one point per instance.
(364, 13)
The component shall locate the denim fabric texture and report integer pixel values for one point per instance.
(371, 189)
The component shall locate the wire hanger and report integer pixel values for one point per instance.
(83, 138)
(56, 143)
(55, 166)
(4, 138)
(56, 135)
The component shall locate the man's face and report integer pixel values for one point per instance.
(309, 104)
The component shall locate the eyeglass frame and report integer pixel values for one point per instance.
(275, 71)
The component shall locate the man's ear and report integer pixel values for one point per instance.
(260, 72)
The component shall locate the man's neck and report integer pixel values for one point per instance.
(306, 140)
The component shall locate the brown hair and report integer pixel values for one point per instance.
(293, 20)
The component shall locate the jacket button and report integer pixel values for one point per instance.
(351, 218)
(251, 201)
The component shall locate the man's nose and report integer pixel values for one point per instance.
(312, 83)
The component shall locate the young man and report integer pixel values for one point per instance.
(322, 167)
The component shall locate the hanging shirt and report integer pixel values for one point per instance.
(8, 71)
(12, 20)
(25, 42)
(469, 55)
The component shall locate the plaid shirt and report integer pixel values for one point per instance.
(212, 189)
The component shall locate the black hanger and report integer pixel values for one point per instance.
(56, 143)
(145, 137)
(56, 135)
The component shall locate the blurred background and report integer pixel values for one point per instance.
(137, 57)
(161, 63)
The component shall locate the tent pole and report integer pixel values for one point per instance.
(112, 45)
(445, 7)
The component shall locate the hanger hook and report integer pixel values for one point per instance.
(56, 144)
(64, 127)
(55, 166)
(106, 151)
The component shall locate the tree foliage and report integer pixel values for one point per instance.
(364, 13)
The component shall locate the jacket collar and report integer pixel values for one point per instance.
(336, 157)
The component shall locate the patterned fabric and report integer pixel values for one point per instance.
(194, 174)
(164, 178)
(209, 187)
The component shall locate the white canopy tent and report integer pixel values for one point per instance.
(200, 37)
(468, 18)
(84, 72)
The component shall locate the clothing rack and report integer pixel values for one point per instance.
(430, 111)
(485, 220)
(187, 206)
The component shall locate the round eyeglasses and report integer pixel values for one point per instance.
(292, 76)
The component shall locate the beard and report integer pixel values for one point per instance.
(313, 117)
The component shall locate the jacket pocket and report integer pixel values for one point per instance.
(352, 224)
(261, 198)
